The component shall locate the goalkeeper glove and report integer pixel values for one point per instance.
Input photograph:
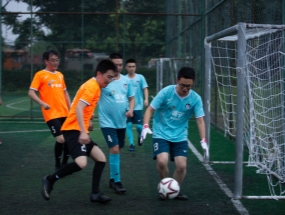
(205, 147)
(145, 131)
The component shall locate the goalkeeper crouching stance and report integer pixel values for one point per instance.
(75, 132)
(173, 106)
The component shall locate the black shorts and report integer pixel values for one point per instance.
(75, 148)
(55, 125)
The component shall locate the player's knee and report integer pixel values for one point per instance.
(181, 167)
(82, 164)
(60, 139)
(162, 164)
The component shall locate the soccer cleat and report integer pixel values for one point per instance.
(46, 188)
(99, 197)
(132, 148)
(139, 142)
(181, 197)
(118, 187)
(112, 183)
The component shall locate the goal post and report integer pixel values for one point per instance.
(247, 61)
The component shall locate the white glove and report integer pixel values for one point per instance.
(205, 147)
(145, 131)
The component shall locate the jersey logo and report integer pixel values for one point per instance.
(50, 82)
(125, 86)
(187, 106)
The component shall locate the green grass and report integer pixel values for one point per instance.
(27, 156)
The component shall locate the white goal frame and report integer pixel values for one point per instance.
(235, 33)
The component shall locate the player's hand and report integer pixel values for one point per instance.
(205, 147)
(129, 114)
(145, 103)
(45, 106)
(84, 138)
(90, 126)
(145, 131)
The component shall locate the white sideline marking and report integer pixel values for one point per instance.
(10, 105)
(237, 204)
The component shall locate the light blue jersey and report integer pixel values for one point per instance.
(114, 103)
(138, 83)
(172, 113)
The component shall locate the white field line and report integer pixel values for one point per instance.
(17, 108)
(237, 204)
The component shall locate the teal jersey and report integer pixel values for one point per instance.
(114, 103)
(138, 83)
(172, 112)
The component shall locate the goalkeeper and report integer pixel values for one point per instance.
(174, 105)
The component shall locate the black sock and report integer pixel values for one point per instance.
(68, 169)
(65, 154)
(57, 153)
(97, 172)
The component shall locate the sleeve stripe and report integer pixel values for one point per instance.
(84, 101)
(33, 89)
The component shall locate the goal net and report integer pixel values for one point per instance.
(263, 94)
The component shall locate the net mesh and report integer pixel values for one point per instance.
(264, 91)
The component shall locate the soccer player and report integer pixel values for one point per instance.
(76, 134)
(174, 105)
(54, 101)
(140, 88)
(115, 105)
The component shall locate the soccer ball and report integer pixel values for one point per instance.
(168, 188)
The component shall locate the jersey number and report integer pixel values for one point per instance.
(53, 129)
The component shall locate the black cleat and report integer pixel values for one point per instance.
(118, 187)
(46, 188)
(112, 183)
(139, 142)
(99, 197)
(132, 148)
(181, 196)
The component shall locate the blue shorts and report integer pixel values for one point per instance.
(137, 117)
(55, 126)
(75, 148)
(173, 148)
(114, 136)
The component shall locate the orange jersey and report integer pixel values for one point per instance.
(89, 93)
(51, 86)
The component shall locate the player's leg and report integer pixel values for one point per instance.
(100, 160)
(130, 134)
(138, 122)
(55, 126)
(65, 148)
(178, 153)
(78, 153)
(160, 153)
(111, 137)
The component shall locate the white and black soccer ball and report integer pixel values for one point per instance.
(168, 188)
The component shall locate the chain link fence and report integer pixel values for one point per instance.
(86, 31)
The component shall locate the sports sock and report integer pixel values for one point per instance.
(139, 129)
(68, 169)
(65, 154)
(130, 133)
(57, 152)
(115, 167)
(97, 172)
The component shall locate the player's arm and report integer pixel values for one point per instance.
(145, 91)
(146, 130)
(202, 131)
(67, 99)
(32, 94)
(90, 126)
(130, 113)
(0, 101)
(83, 137)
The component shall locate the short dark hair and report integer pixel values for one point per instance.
(115, 56)
(186, 72)
(104, 65)
(48, 53)
(131, 60)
